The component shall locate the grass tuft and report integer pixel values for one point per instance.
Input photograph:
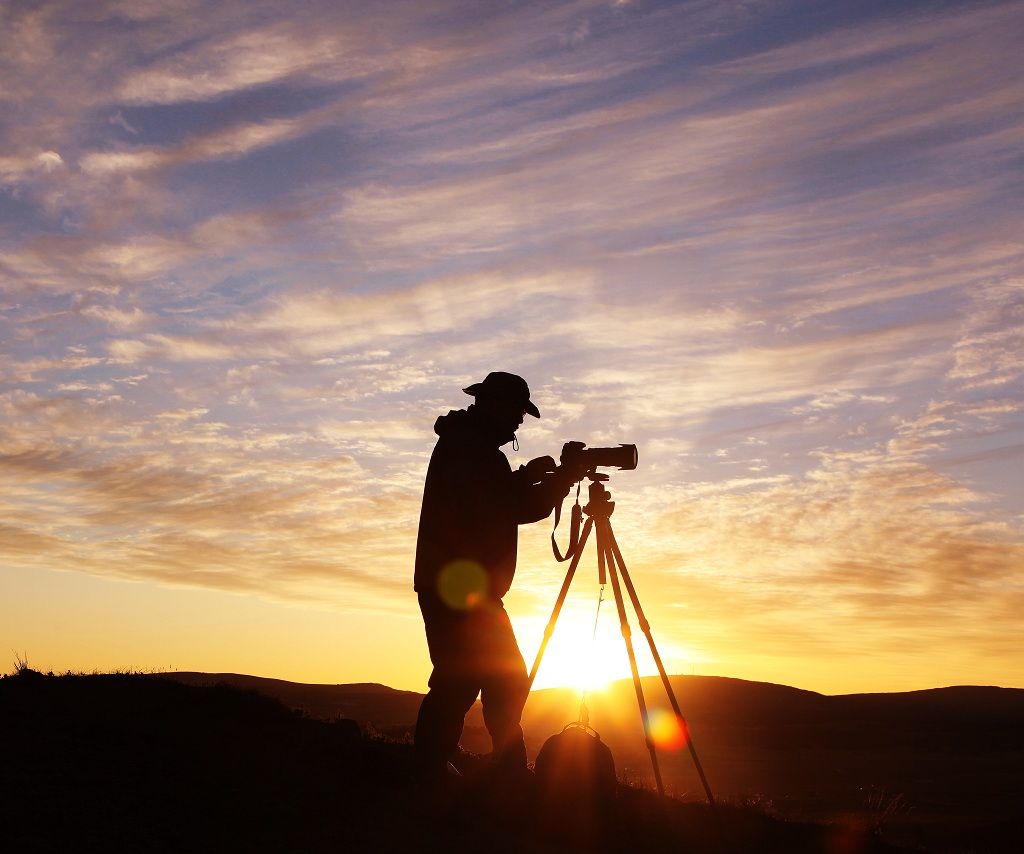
(883, 808)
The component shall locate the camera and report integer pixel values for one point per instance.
(578, 460)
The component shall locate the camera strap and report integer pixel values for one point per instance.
(576, 517)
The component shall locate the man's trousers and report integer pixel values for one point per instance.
(473, 652)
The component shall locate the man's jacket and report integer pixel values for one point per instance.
(473, 503)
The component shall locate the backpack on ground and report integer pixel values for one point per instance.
(575, 771)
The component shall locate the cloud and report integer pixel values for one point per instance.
(991, 351)
(164, 348)
(882, 543)
(608, 175)
(117, 319)
(246, 60)
(231, 142)
(250, 253)
(141, 500)
(320, 323)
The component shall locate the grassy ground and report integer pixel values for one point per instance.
(127, 762)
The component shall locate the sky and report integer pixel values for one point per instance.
(250, 250)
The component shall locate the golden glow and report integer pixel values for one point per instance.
(577, 656)
(462, 585)
(666, 732)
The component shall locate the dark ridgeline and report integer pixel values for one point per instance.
(147, 763)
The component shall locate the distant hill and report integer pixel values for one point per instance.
(946, 761)
(385, 709)
(985, 716)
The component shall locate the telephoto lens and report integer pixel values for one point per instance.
(623, 457)
(579, 459)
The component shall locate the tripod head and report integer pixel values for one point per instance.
(600, 504)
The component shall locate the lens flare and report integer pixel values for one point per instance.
(462, 585)
(666, 732)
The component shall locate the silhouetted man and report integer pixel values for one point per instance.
(473, 504)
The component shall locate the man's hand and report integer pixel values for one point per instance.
(543, 470)
(538, 469)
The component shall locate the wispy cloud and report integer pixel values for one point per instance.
(250, 253)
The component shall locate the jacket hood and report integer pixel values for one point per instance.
(471, 424)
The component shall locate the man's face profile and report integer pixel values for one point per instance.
(505, 413)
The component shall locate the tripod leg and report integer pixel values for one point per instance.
(645, 627)
(550, 629)
(603, 548)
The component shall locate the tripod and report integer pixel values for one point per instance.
(609, 561)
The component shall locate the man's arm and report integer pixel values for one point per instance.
(540, 485)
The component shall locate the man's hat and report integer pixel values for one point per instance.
(506, 387)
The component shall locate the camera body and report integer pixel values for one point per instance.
(578, 460)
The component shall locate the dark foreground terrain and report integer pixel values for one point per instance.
(938, 769)
(134, 763)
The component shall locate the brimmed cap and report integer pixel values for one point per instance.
(506, 387)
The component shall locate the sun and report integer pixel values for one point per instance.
(587, 650)
(577, 656)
